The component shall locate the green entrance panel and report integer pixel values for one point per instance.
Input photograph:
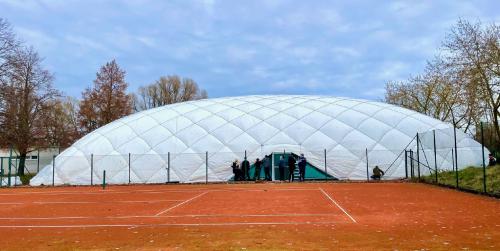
(312, 172)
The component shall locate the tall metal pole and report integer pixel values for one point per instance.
(326, 174)
(38, 160)
(206, 166)
(91, 169)
(418, 157)
(454, 166)
(484, 165)
(129, 168)
(10, 166)
(168, 170)
(412, 171)
(1, 171)
(406, 163)
(435, 156)
(53, 169)
(367, 174)
(456, 152)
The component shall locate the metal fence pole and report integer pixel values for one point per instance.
(38, 161)
(456, 152)
(10, 166)
(435, 156)
(406, 163)
(104, 179)
(91, 169)
(168, 170)
(482, 154)
(453, 155)
(326, 173)
(206, 166)
(418, 157)
(129, 168)
(412, 171)
(53, 169)
(367, 175)
(1, 171)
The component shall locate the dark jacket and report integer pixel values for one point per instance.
(291, 162)
(302, 162)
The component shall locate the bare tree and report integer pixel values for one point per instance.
(474, 50)
(61, 125)
(463, 82)
(167, 90)
(107, 100)
(8, 44)
(24, 93)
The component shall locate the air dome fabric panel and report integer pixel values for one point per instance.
(185, 135)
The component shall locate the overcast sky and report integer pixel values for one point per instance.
(340, 48)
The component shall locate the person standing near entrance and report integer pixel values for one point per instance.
(257, 164)
(267, 167)
(282, 168)
(291, 167)
(302, 167)
(245, 166)
(236, 170)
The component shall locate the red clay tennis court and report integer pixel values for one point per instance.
(252, 216)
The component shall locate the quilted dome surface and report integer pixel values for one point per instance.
(139, 148)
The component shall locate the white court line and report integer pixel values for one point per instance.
(172, 224)
(165, 216)
(87, 202)
(182, 203)
(157, 191)
(337, 204)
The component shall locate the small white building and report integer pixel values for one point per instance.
(35, 160)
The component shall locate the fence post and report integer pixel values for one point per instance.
(453, 155)
(53, 169)
(326, 173)
(91, 169)
(412, 171)
(38, 160)
(168, 170)
(1, 171)
(418, 157)
(406, 163)
(367, 174)
(129, 168)
(435, 156)
(482, 154)
(206, 166)
(456, 152)
(103, 179)
(10, 166)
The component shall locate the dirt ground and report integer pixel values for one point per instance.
(302, 216)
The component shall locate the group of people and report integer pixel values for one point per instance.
(242, 171)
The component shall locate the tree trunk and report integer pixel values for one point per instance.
(22, 163)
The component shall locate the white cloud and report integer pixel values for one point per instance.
(235, 53)
(39, 39)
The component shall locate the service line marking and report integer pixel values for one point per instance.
(337, 204)
(180, 204)
(172, 224)
(168, 216)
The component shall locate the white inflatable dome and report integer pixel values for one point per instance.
(174, 142)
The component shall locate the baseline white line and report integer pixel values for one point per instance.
(165, 216)
(156, 191)
(172, 224)
(180, 204)
(337, 204)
